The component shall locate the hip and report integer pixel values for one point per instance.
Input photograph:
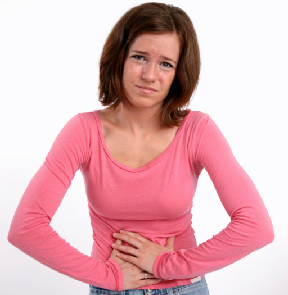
(198, 288)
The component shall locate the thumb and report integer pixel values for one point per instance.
(170, 242)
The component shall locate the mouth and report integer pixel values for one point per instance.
(146, 89)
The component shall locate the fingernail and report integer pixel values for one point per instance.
(115, 235)
(113, 245)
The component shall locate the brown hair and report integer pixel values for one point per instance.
(155, 18)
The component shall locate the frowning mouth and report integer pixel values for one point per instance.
(146, 89)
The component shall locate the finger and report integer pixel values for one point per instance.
(149, 276)
(114, 255)
(118, 242)
(170, 242)
(127, 258)
(115, 251)
(126, 249)
(134, 235)
(128, 239)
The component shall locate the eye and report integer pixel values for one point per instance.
(138, 57)
(166, 64)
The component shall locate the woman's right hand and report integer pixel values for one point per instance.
(133, 276)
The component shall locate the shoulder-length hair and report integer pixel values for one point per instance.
(152, 18)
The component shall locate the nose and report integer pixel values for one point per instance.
(150, 73)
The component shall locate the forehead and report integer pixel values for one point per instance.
(163, 44)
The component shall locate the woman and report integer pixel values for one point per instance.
(141, 158)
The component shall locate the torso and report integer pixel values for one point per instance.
(131, 150)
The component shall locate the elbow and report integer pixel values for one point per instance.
(21, 239)
(11, 238)
(267, 229)
(26, 232)
(18, 234)
(15, 236)
(264, 233)
(269, 234)
(258, 226)
(256, 229)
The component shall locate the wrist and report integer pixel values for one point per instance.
(117, 274)
(157, 263)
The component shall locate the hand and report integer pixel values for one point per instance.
(143, 253)
(133, 276)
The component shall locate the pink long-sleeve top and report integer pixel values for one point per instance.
(154, 200)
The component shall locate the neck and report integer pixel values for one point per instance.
(138, 121)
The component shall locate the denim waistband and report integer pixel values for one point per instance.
(197, 288)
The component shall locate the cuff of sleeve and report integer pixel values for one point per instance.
(118, 274)
(157, 264)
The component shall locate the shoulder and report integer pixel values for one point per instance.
(197, 114)
(81, 126)
(88, 117)
(88, 121)
(195, 125)
(196, 120)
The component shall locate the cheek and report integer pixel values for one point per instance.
(131, 71)
(127, 79)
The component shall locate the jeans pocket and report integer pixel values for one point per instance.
(198, 288)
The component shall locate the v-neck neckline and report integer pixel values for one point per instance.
(150, 163)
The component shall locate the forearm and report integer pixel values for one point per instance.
(57, 254)
(233, 243)
(32, 233)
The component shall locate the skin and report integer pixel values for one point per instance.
(133, 132)
(149, 69)
(133, 276)
(134, 135)
(143, 253)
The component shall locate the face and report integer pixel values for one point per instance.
(150, 68)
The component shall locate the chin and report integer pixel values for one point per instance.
(144, 102)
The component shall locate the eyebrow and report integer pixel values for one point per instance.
(146, 53)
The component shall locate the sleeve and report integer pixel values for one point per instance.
(250, 227)
(30, 229)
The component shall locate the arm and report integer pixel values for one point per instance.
(250, 227)
(31, 231)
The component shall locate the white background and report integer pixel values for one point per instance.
(49, 59)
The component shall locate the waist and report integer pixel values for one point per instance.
(198, 286)
(102, 250)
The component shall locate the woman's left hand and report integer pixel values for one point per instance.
(143, 253)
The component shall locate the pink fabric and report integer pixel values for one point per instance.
(154, 200)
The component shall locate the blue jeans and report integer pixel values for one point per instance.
(198, 288)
